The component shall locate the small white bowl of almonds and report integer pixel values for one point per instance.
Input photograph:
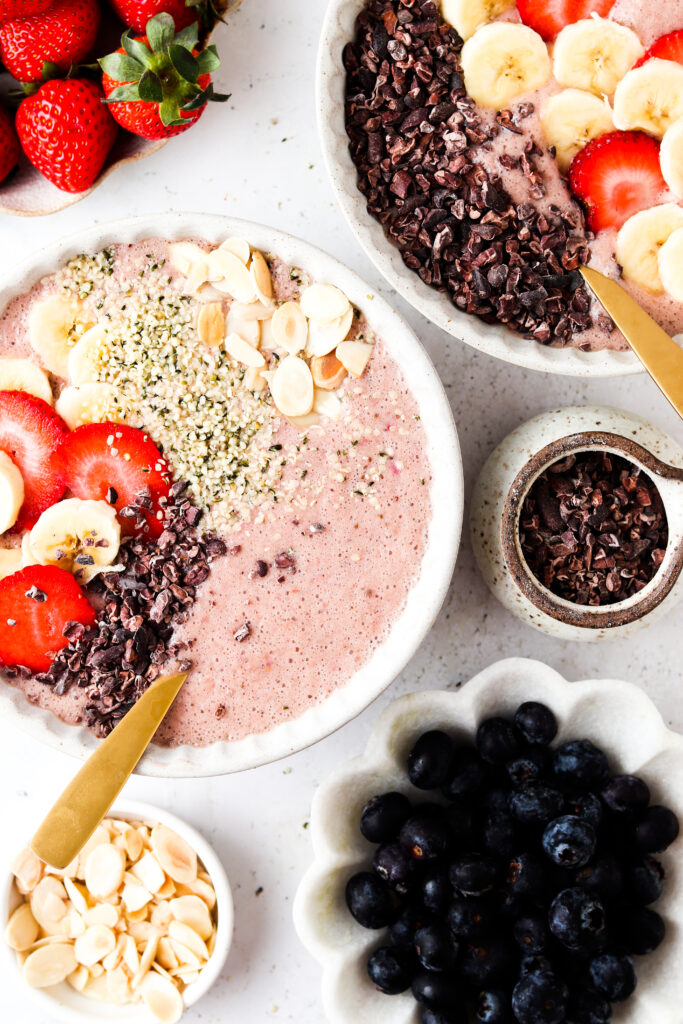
(135, 929)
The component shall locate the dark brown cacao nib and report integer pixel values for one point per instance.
(413, 135)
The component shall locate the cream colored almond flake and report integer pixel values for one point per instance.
(327, 372)
(75, 925)
(133, 843)
(49, 965)
(185, 956)
(99, 836)
(130, 955)
(211, 323)
(292, 387)
(324, 303)
(117, 986)
(22, 929)
(162, 998)
(260, 275)
(188, 937)
(239, 247)
(103, 913)
(95, 943)
(135, 897)
(78, 978)
(147, 958)
(355, 356)
(138, 916)
(104, 870)
(160, 915)
(248, 330)
(166, 957)
(254, 380)
(27, 868)
(229, 275)
(96, 971)
(311, 419)
(185, 255)
(243, 352)
(149, 871)
(193, 911)
(289, 328)
(201, 887)
(252, 310)
(324, 338)
(327, 404)
(48, 904)
(168, 889)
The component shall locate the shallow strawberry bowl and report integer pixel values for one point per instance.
(429, 588)
(496, 340)
(617, 716)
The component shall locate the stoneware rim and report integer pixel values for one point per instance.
(447, 495)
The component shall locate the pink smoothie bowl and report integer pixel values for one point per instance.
(431, 585)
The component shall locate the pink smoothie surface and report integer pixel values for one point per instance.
(356, 550)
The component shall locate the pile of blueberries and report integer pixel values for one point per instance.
(524, 894)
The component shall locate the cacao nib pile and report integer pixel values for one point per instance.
(118, 658)
(412, 131)
(593, 529)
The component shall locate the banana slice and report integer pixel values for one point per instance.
(54, 326)
(11, 492)
(640, 240)
(671, 265)
(502, 61)
(25, 375)
(466, 16)
(671, 157)
(595, 54)
(88, 354)
(10, 561)
(572, 118)
(650, 97)
(79, 536)
(89, 403)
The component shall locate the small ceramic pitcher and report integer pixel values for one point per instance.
(505, 482)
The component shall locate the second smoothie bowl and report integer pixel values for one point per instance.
(225, 454)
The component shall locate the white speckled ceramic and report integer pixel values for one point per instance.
(443, 452)
(64, 1003)
(500, 491)
(338, 29)
(615, 715)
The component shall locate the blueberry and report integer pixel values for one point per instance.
(499, 834)
(473, 874)
(390, 969)
(530, 933)
(535, 963)
(586, 806)
(589, 1007)
(645, 880)
(437, 991)
(528, 767)
(537, 804)
(382, 817)
(470, 919)
(580, 763)
(577, 919)
(496, 799)
(493, 1007)
(467, 776)
(569, 841)
(460, 821)
(526, 875)
(406, 924)
(640, 930)
(496, 740)
(614, 975)
(603, 876)
(369, 900)
(657, 829)
(535, 723)
(394, 866)
(425, 836)
(430, 760)
(487, 964)
(434, 947)
(434, 890)
(626, 794)
(537, 999)
(455, 1016)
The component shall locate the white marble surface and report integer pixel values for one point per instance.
(258, 157)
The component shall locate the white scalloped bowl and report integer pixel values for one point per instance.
(431, 585)
(617, 716)
(338, 29)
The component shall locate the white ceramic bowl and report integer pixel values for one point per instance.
(62, 1002)
(338, 29)
(428, 591)
(617, 716)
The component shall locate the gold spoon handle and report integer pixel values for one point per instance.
(88, 797)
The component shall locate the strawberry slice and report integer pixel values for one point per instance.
(31, 433)
(35, 605)
(617, 175)
(100, 456)
(549, 17)
(669, 47)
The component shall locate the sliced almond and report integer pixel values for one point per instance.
(188, 937)
(185, 256)
(166, 958)
(328, 373)
(162, 998)
(254, 380)
(187, 975)
(103, 913)
(130, 955)
(116, 825)
(95, 943)
(49, 965)
(160, 915)
(289, 327)
(229, 275)
(70, 871)
(99, 836)
(324, 303)
(239, 246)
(48, 904)
(355, 356)
(324, 338)
(268, 341)
(243, 352)
(135, 897)
(186, 957)
(292, 387)
(200, 887)
(75, 925)
(133, 842)
(211, 323)
(96, 971)
(147, 958)
(27, 868)
(193, 911)
(248, 330)
(327, 404)
(252, 310)
(78, 894)
(312, 419)
(175, 855)
(78, 979)
(168, 889)
(112, 960)
(104, 870)
(149, 871)
(22, 929)
(211, 941)
(117, 986)
(260, 275)
(141, 931)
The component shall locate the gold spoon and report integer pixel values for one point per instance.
(88, 797)
(659, 354)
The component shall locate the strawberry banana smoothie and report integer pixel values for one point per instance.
(503, 143)
(238, 485)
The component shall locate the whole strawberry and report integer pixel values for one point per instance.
(63, 35)
(66, 132)
(22, 8)
(137, 13)
(9, 145)
(158, 85)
